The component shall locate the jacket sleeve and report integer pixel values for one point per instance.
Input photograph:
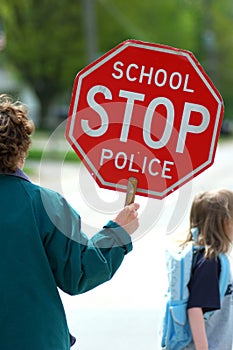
(78, 263)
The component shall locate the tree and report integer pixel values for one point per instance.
(214, 30)
(45, 44)
(169, 22)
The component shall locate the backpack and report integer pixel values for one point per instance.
(176, 332)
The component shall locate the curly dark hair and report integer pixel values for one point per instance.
(15, 132)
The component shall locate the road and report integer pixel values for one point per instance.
(125, 313)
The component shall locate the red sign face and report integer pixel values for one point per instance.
(147, 111)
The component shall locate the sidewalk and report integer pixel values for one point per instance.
(114, 329)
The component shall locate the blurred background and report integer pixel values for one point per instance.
(43, 45)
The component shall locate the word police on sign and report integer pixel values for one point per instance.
(147, 111)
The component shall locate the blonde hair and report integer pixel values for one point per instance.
(211, 213)
(15, 131)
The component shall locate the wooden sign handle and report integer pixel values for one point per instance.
(131, 190)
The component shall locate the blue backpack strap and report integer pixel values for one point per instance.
(176, 332)
(223, 280)
(224, 275)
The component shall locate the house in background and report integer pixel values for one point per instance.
(10, 85)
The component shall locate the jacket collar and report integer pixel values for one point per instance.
(18, 173)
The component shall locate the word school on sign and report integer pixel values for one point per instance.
(149, 75)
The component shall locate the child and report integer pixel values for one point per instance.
(211, 220)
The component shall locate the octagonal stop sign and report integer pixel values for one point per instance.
(147, 111)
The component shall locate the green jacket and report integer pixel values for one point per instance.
(42, 247)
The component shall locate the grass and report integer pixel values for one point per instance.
(38, 154)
